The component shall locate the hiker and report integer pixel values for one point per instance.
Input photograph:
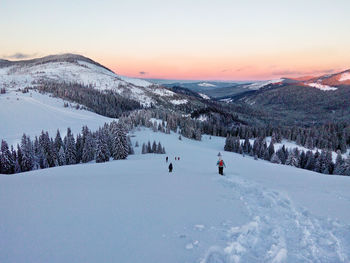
(170, 167)
(178, 158)
(221, 165)
(166, 159)
(175, 158)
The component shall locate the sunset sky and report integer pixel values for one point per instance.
(207, 40)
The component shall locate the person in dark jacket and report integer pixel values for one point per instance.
(170, 167)
(166, 159)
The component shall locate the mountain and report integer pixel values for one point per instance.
(301, 101)
(77, 69)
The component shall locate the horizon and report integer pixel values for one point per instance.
(221, 41)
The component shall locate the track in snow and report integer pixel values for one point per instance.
(278, 231)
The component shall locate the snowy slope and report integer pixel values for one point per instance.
(258, 85)
(135, 211)
(72, 68)
(205, 84)
(321, 86)
(33, 112)
(344, 76)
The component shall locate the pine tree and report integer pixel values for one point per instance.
(58, 143)
(346, 166)
(119, 142)
(19, 159)
(27, 162)
(70, 148)
(342, 143)
(154, 147)
(6, 159)
(88, 149)
(79, 148)
(102, 154)
(46, 149)
(293, 158)
(144, 148)
(149, 148)
(271, 150)
(339, 164)
(302, 160)
(61, 157)
(159, 148)
(275, 159)
(310, 161)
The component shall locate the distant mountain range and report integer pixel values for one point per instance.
(305, 100)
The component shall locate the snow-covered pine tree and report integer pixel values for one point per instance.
(7, 161)
(149, 147)
(70, 148)
(266, 155)
(79, 148)
(228, 144)
(102, 154)
(271, 149)
(119, 142)
(58, 143)
(302, 160)
(144, 148)
(198, 134)
(310, 161)
(339, 164)
(27, 162)
(159, 148)
(46, 150)
(346, 166)
(61, 157)
(89, 148)
(293, 159)
(342, 143)
(19, 159)
(154, 147)
(275, 159)
(247, 146)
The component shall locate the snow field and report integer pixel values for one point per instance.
(33, 112)
(135, 211)
(344, 76)
(322, 87)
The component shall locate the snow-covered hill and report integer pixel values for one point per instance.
(33, 112)
(328, 82)
(70, 68)
(135, 211)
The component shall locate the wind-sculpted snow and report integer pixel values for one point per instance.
(136, 211)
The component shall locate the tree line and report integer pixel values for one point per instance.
(109, 141)
(155, 148)
(320, 162)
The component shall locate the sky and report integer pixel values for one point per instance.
(207, 40)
